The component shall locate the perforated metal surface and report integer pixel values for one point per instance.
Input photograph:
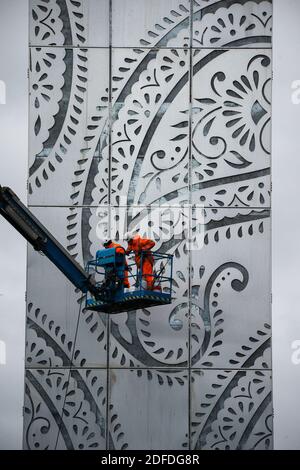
(176, 116)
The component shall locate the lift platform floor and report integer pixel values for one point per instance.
(130, 301)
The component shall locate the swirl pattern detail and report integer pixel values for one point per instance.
(169, 117)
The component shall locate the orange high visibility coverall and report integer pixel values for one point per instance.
(137, 245)
(120, 249)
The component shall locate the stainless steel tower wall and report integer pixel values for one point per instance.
(134, 105)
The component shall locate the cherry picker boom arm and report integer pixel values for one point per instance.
(103, 279)
(12, 209)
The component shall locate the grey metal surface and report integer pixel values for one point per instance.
(232, 23)
(54, 306)
(231, 129)
(150, 132)
(134, 424)
(188, 125)
(156, 23)
(231, 410)
(68, 125)
(69, 23)
(65, 410)
(231, 285)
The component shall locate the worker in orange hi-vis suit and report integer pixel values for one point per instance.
(107, 243)
(137, 244)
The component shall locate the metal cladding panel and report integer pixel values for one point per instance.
(231, 409)
(69, 23)
(58, 331)
(156, 23)
(152, 115)
(230, 301)
(65, 409)
(68, 124)
(233, 23)
(231, 129)
(165, 391)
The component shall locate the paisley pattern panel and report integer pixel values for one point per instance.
(157, 416)
(231, 131)
(231, 410)
(231, 300)
(68, 125)
(156, 23)
(69, 23)
(59, 331)
(166, 131)
(150, 131)
(233, 23)
(65, 410)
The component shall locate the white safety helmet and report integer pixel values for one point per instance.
(129, 235)
(104, 241)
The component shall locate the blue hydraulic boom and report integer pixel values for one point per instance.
(102, 280)
(38, 236)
